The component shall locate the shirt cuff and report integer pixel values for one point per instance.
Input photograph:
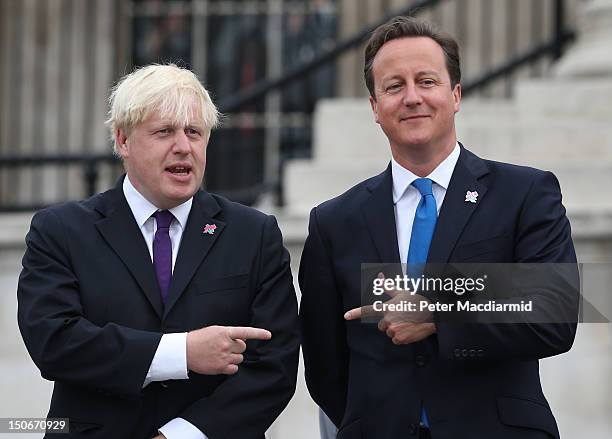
(178, 428)
(170, 359)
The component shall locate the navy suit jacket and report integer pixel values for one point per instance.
(91, 317)
(476, 380)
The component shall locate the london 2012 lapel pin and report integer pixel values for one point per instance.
(209, 229)
(471, 197)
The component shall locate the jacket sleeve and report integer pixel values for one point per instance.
(247, 403)
(543, 236)
(63, 344)
(324, 344)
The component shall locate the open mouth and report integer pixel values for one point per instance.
(179, 170)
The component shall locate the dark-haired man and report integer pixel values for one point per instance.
(436, 202)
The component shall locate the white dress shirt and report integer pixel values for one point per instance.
(170, 359)
(406, 197)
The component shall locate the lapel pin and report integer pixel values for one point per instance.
(471, 197)
(210, 229)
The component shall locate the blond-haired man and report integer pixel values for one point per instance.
(157, 308)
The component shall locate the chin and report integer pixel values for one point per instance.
(179, 197)
(418, 143)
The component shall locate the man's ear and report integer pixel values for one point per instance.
(457, 97)
(120, 142)
(374, 106)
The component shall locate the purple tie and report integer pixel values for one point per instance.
(162, 251)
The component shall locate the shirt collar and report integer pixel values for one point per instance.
(403, 178)
(142, 209)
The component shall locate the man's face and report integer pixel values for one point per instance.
(165, 162)
(415, 104)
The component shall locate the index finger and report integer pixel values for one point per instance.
(248, 333)
(363, 311)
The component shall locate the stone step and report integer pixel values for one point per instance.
(344, 129)
(538, 141)
(308, 183)
(580, 99)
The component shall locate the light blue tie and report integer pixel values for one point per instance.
(420, 238)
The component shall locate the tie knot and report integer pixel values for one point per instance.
(163, 218)
(423, 185)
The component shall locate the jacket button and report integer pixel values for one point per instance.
(472, 353)
(464, 353)
(413, 429)
(164, 384)
(480, 352)
(457, 353)
(420, 360)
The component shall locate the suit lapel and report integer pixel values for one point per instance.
(195, 244)
(380, 217)
(119, 229)
(455, 211)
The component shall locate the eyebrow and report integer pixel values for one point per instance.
(419, 73)
(174, 125)
(162, 123)
(428, 72)
(391, 78)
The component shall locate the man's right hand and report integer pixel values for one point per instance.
(218, 349)
(402, 327)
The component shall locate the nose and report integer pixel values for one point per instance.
(181, 142)
(411, 96)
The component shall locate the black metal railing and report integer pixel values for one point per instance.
(553, 47)
(90, 164)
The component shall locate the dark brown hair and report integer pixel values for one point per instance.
(404, 26)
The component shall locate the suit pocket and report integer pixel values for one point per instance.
(526, 413)
(228, 283)
(478, 250)
(350, 431)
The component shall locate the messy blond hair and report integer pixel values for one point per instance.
(166, 89)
